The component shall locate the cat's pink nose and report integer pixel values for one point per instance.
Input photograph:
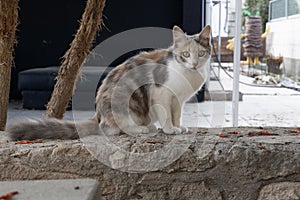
(195, 64)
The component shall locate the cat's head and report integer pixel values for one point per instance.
(191, 51)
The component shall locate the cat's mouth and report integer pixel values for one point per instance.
(195, 67)
(192, 68)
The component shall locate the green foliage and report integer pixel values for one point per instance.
(258, 8)
(246, 13)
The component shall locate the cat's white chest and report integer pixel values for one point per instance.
(184, 83)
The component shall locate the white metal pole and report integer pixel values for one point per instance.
(237, 58)
(219, 38)
(208, 7)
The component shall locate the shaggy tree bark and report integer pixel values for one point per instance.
(74, 57)
(8, 25)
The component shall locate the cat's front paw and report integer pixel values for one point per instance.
(172, 130)
(142, 129)
(184, 129)
(152, 128)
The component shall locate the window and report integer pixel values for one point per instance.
(283, 8)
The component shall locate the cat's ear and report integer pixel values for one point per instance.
(204, 36)
(178, 35)
(205, 33)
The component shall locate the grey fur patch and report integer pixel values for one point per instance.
(160, 75)
(31, 129)
(139, 102)
(140, 75)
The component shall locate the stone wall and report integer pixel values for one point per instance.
(232, 163)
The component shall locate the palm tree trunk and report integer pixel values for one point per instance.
(8, 25)
(74, 57)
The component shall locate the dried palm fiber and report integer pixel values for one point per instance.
(75, 56)
(253, 43)
(8, 25)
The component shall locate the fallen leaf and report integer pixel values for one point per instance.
(293, 131)
(7, 196)
(24, 142)
(266, 133)
(221, 135)
(261, 147)
(233, 133)
(29, 141)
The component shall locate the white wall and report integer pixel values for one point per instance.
(284, 40)
(284, 37)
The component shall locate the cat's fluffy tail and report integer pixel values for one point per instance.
(31, 129)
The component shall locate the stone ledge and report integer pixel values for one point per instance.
(221, 95)
(69, 189)
(240, 163)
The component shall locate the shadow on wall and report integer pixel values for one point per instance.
(291, 67)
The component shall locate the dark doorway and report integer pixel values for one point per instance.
(47, 27)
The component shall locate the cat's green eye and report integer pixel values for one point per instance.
(201, 53)
(186, 54)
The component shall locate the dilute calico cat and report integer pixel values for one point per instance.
(147, 88)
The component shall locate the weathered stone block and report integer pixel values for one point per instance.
(283, 190)
(239, 163)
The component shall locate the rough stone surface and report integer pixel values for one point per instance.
(70, 189)
(283, 190)
(230, 163)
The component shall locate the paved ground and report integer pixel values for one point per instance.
(69, 189)
(260, 107)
